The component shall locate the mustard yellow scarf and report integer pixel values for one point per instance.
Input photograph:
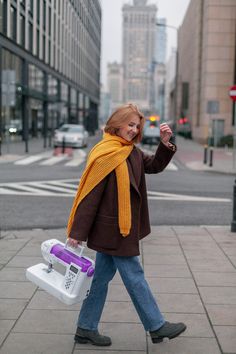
(108, 155)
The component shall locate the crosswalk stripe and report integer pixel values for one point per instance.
(75, 162)
(29, 160)
(50, 186)
(53, 160)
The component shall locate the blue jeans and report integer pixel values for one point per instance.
(132, 276)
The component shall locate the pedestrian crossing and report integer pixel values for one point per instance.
(48, 159)
(68, 187)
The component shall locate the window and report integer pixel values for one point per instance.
(36, 78)
(30, 32)
(44, 14)
(13, 23)
(22, 30)
(38, 42)
(38, 11)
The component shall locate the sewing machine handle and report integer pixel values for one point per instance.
(75, 250)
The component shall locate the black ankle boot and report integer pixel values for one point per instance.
(83, 336)
(168, 330)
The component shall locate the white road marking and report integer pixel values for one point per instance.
(68, 187)
(53, 160)
(29, 160)
(181, 197)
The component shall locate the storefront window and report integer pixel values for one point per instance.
(64, 103)
(52, 87)
(73, 108)
(11, 95)
(35, 117)
(36, 78)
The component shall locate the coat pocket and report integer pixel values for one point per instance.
(105, 232)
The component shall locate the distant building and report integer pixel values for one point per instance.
(105, 107)
(207, 68)
(49, 64)
(161, 41)
(139, 30)
(115, 84)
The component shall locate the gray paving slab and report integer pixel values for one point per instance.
(222, 314)
(24, 262)
(5, 328)
(197, 324)
(16, 290)
(183, 345)
(12, 274)
(167, 270)
(125, 337)
(44, 301)
(11, 309)
(22, 343)
(94, 351)
(164, 259)
(218, 295)
(44, 321)
(180, 303)
(120, 312)
(215, 278)
(190, 269)
(6, 256)
(161, 240)
(227, 338)
(172, 285)
(161, 249)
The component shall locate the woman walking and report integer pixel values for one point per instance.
(110, 212)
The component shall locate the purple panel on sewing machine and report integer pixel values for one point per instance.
(69, 257)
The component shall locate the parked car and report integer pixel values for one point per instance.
(151, 131)
(71, 135)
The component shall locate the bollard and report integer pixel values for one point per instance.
(205, 154)
(211, 158)
(233, 224)
(63, 144)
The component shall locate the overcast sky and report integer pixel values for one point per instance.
(172, 10)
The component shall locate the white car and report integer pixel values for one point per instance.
(71, 135)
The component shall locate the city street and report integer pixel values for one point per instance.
(39, 194)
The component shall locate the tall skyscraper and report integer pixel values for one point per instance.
(161, 41)
(139, 30)
(115, 84)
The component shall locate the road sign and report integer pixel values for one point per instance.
(232, 93)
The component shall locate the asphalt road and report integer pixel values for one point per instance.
(36, 196)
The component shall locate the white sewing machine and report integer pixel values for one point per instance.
(71, 287)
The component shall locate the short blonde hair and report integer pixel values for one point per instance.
(120, 116)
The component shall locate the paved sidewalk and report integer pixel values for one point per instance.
(192, 273)
(191, 154)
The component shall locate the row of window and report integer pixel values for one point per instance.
(58, 37)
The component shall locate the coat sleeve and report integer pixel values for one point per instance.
(86, 213)
(158, 162)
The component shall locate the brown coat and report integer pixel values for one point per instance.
(96, 218)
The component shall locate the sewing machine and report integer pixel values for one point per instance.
(74, 285)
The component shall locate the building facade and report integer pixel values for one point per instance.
(207, 68)
(139, 31)
(49, 65)
(115, 84)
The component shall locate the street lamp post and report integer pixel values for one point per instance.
(176, 73)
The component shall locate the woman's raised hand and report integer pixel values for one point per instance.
(165, 133)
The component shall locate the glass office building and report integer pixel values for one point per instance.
(49, 65)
